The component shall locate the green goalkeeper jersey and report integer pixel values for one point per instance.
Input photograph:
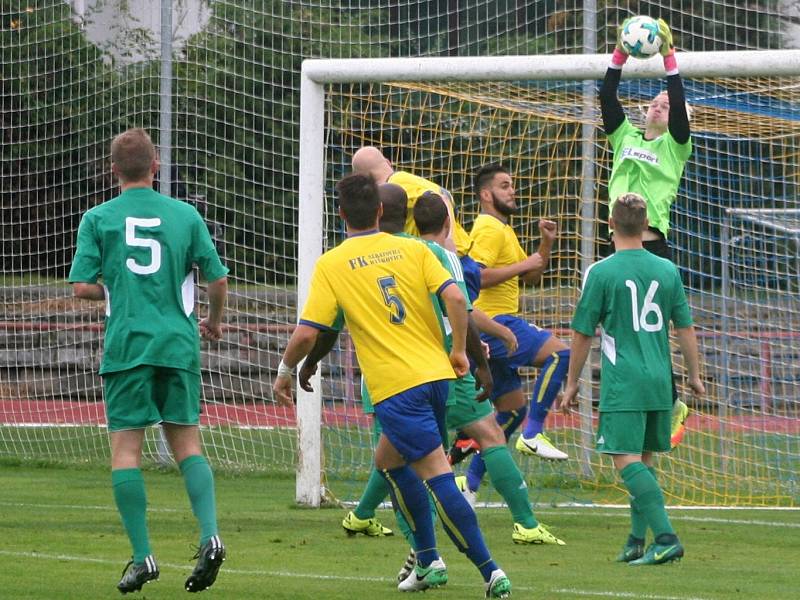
(650, 168)
(633, 295)
(144, 246)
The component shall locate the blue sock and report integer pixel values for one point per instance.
(509, 421)
(410, 497)
(460, 522)
(545, 390)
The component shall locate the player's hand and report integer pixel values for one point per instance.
(548, 230)
(305, 374)
(282, 390)
(484, 382)
(210, 331)
(460, 363)
(568, 400)
(697, 387)
(664, 32)
(533, 263)
(509, 340)
(486, 350)
(620, 29)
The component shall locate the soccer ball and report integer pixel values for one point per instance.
(639, 37)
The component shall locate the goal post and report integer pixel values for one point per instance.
(318, 74)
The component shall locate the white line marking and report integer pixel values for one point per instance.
(84, 507)
(550, 511)
(637, 595)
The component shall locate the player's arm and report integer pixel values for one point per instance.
(678, 123)
(456, 305)
(211, 326)
(687, 341)
(300, 344)
(483, 375)
(548, 232)
(491, 327)
(579, 352)
(89, 291)
(325, 342)
(610, 106)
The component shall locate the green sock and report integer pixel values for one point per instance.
(199, 481)
(131, 499)
(648, 497)
(638, 521)
(508, 481)
(376, 491)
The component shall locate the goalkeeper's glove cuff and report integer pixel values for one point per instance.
(618, 59)
(671, 63)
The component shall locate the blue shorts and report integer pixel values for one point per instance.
(414, 420)
(530, 339)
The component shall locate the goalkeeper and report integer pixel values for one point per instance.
(650, 162)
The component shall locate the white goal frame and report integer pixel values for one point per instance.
(316, 73)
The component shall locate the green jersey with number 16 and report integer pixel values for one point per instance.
(144, 245)
(633, 295)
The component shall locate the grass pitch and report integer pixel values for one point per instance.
(62, 538)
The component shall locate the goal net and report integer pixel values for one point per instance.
(735, 239)
(74, 73)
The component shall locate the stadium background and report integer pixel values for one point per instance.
(234, 107)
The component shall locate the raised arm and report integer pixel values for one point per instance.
(678, 116)
(610, 106)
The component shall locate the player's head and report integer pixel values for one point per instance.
(133, 156)
(368, 160)
(359, 204)
(430, 214)
(395, 207)
(657, 117)
(629, 215)
(495, 189)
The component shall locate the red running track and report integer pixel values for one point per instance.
(54, 412)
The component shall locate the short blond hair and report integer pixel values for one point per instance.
(629, 214)
(133, 153)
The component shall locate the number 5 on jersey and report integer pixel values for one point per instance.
(131, 223)
(392, 300)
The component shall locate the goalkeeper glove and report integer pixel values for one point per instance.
(620, 55)
(667, 47)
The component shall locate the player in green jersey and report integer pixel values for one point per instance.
(650, 162)
(633, 295)
(144, 246)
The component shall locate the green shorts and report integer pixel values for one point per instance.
(146, 395)
(634, 432)
(466, 410)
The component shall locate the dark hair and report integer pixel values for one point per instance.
(485, 175)
(630, 214)
(395, 207)
(133, 153)
(430, 213)
(358, 200)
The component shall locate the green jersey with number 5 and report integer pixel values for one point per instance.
(144, 245)
(633, 295)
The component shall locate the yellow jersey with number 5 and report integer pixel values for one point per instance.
(382, 284)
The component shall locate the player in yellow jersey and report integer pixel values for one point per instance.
(382, 285)
(503, 263)
(368, 160)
